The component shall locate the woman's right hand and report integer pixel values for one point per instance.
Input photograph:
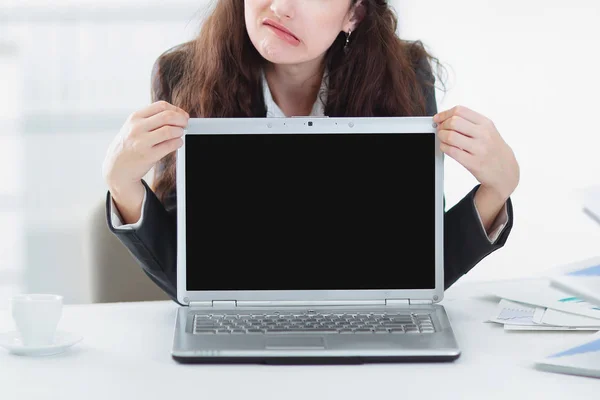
(147, 136)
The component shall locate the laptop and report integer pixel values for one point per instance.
(310, 240)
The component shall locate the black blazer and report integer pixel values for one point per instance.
(154, 243)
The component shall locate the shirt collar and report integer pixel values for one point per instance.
(273, 109)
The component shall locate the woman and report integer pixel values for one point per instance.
(262, 58)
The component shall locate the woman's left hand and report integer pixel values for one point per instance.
(474, 142)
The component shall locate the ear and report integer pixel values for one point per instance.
(355, 16)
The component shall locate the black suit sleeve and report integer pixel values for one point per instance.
(154, 242)
(465, 240)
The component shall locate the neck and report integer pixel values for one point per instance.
(295, 87)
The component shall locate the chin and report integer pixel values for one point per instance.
(277, 52)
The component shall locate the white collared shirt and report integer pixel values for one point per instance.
(318, 110)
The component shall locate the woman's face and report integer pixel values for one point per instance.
(314, 25)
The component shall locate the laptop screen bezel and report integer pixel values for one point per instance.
(300, 125)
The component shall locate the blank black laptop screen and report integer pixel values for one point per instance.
(310, 211)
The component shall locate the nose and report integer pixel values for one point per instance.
(283, 9)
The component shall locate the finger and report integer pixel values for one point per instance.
(457, 139)
(459, 124)
(460, 111)
(168, 117)
(162, 149)
(155, 108)
(164, 133)
(462, 157)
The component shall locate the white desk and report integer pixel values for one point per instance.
(126, 354)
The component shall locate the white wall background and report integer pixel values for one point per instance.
(72, 71)
(530, 66)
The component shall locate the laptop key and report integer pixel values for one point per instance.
(401, 320)
(206, 321)
(394, 326)
(204, 331)
(212, 327)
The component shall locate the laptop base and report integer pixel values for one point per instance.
(313, 360)
(292, 348)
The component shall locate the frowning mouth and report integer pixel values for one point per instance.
(273, 24)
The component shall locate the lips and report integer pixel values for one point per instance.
(282, 28)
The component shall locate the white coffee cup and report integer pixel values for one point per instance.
(36, 317)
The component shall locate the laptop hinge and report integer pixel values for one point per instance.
(214, 304)
(406, 302)
(396, 302)
(202, 304)
(224, 303)
(420, 302)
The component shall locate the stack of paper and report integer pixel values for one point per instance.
(580, 282)
(537, 305)
(581, 279)
(517, 316)
(580, 358)
(591, 202)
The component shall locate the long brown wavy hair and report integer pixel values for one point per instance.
(218, 73)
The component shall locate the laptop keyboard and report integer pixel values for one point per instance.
(313, 322)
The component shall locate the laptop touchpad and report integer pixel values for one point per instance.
(295, 342)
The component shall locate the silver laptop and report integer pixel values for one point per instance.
(311, 240)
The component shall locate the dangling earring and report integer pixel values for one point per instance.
(346, 49)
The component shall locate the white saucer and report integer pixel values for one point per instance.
(62, 340)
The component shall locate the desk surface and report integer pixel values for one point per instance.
(126, 354)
